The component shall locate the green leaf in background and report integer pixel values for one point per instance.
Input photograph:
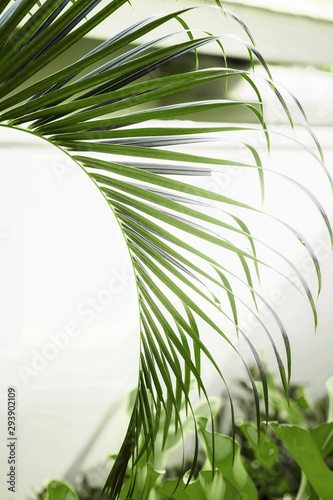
(145, 482)
(229, 463)
(266, 450)
(58, 490)
(307, 448)
(323, 437)
(203, 488)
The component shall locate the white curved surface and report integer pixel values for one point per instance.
(69, 323)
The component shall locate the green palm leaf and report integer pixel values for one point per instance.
(91, 114)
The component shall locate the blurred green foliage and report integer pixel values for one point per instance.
(293, 459)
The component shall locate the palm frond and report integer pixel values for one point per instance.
(170, 226)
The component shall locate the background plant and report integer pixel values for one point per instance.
(270, 469)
